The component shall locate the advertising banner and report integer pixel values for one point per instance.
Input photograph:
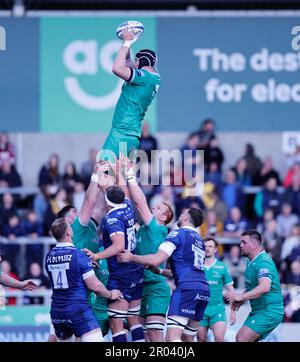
(24, 324)
(19, 75)
(78, 89)
(244, 72)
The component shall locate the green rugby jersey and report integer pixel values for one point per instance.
(262, 266)
(136, 96)
(99, 304)
(149, 237)
(218, 277)
(85, 236)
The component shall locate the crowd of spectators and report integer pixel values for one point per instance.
(273, 210)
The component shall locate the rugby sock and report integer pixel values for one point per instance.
(119, 337)
(137, 333)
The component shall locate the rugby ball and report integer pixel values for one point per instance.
(132, 25)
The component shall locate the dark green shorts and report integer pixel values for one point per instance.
(104, 326)
(116, 143)
(155, 299)
(212, 315)
(263, 322)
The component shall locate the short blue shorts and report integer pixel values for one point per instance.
(77, 322)
(131, 290)
(188, 303)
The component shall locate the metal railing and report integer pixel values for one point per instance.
(45, 241)
(31, 190)
(21, 294)
(22, 190)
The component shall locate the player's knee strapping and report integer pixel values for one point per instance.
(177, 322)
(189, 331)
(134, 311)
(114, 313)
(155, 325)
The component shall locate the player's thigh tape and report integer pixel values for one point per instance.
(95, 336)
(133, 311)
(114, 313)
(189, 331)
(177, 322)
(155, 325)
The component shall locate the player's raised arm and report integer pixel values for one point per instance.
(118, 245)
(117, 169)
(136, 194)
(91, 194)
(150, 259)
(120, 67)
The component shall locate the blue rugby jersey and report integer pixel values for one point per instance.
(67, 268)
(121, 220)
(187, 260)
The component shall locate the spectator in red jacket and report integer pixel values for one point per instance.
(293, 173)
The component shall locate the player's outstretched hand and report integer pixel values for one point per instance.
(233, 297)
(125, 162)
(90, 254)
(95, 264)
(124, 257)
(129, 36)
(116, 295)
(28, 285)
(236, 305)
(101, 167)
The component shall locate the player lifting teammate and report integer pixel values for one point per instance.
(185, 248)
(118, 234)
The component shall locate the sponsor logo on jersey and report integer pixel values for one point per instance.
(202, 297)
(213, 282)
(188, 311)
(264, 272)
(111, 220)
